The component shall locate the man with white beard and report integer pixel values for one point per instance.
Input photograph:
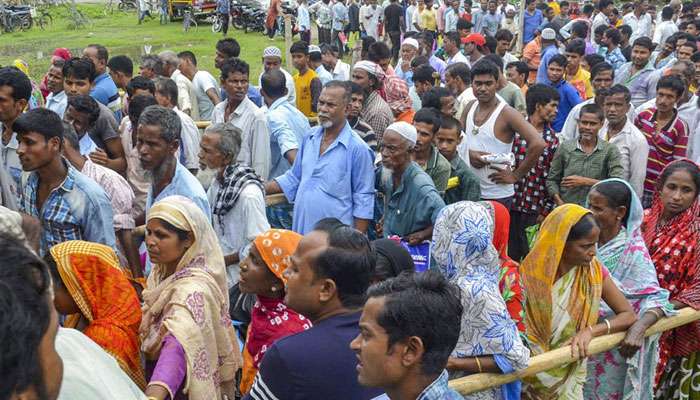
(332, 174)
(411, 201)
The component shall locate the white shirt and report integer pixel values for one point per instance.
(241, 225)
(570, 129)
(458, 58)
(598, 20)
(688, 112)
(641, 27)
(341, 72)
(634, 152)
(186, 96)
(289, 82)
(255, 140)
(57, 102)
(203, 81)
(189, 141)
(507, 59)
(663, 31)
(410, 11)
(303, 19)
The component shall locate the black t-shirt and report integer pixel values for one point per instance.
(392, 17)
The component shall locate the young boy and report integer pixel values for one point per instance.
(463, 184)
(306, 83)
(568, 96)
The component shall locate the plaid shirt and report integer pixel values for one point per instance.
(78, 209)
(531, 195)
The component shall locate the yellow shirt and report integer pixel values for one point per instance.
(581, 81)
(302, 85)
(428, 20)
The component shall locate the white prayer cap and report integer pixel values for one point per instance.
(314, 49)
(406, 130)
(272, 51)
(411, 42)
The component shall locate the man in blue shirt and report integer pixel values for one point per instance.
(340, 19)
(533, 19)
(549, 50)
(333, 172)
(406, 359)
(70, 205)
(568, 95)
(223, 8)
(326, 282)
(104, 89)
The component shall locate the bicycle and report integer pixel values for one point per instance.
(41, 16)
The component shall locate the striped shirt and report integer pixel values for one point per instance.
(665, 145)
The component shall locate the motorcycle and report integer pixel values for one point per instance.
(127, 5)
(13, 17)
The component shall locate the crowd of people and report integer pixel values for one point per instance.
(425, 204)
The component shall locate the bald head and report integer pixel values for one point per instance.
(273, 84)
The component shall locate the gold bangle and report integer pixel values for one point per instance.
(478, 364)
(608, 325)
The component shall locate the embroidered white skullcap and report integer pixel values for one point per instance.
(406, 130)
(272, 51)
(411, 42)
(314, 49)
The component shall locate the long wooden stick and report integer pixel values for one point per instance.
(552, 359)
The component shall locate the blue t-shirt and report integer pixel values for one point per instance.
(568, 98)
(314, 364)
(531, 23)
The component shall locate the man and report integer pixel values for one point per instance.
(578, 77)
(474, 47)
(621, 132)
(491, 20)
(665, 131)
(452, 49)
(452, 16)
(666, 28)
(611, 49)
(287, 127)
(78, 78)
(205, 88)
(303, 21)
(411, 201)
(490, 126)
(240, 111)
(580, 163)
(104, 90)
(82, 113)
(639, 20)
(166, 96)
(605, 9)
(376, 112)
(331, 60)
(306, 83)
(409, 50)
(316, 64)
(517, 72)
(462, 185)
(151, 67)
(505, 38)
(380, 54)
(272, 59)
(602, 76)
(457, 79)
(70, 205)
(407, 360)
(235, 195)
(223, 11)
(533, 19)
(56, 101)
(439, 99)
(423, 81)
(226, 49)
(121, 70)
(344, 187)
(426, 40)
(393, 25)
(425, 154)
(549, 49)
(140, 85)
(117, 189)
(531, 202)
(561, 18)
(625, 44)
(326, 282)
(478, 16)
(357, 124)
(568, 96)
(508, 91)
(324, 20)
(370, 17)
(186, 95)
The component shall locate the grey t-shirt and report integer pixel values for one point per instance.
(512, 94)
(105, 128)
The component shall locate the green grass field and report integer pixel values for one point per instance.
(121, 34)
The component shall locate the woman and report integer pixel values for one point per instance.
(36, 100)
(95, 293)
(626, 372)
(274, 10)
(188, 339)
(392, 260)
(509, 282)
(488, 340)
(671, 231)
(396, 90)
(262, 274)
(565, 283)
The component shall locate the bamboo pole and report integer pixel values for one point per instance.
(552, 359)
(273, 199)
(288, 40)
(521, 29)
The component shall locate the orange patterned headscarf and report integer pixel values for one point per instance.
(276, 247)
(102, 291)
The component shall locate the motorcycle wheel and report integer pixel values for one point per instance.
(25, 23)
(216, 26)
(238, 24)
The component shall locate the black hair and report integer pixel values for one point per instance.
(459, 70)
(85, 104)
(579, 29)
(595, 109)
(228, 46)
(366, 42)
(504, 34)
(181, 234)
(496, 59)
(42, 121)
(59, 63)
(328, 224)
(599, 67)
(166, 119)
(349, 262)
(520, 66)
(681, 165)
(141, 83)
(577, 46)
(620, 89)
(423, 305)
(671, 82)
(463, 24)
(274, 83)
(626, 31)
(485, 67)
(587, 9)
(582, 228)
(600, 30)
(695, 23)
(432, 98)
(691, 44)
(80, 68)
(234, 65)
(563, 3)
(121, 64)
(188, 55)
(392, 260)
(558, 59)
(419, 60)
(356, 89)
(299, 47)
(139, 103)
(453, 37)
(102, 53)
(168, 88)
(666, 13)
(428, 115)
(18, 81)
(315, 56)
(695, 57)
(644, 42)
(448, 122)
(613, 35)
(26, 313)
(490, 43)
(424, 73)
(378, 51)
(540, 94)
(616, 194)
(602, 4)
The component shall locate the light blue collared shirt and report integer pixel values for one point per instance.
(87, 145)
(303, 19)
(338, 183)
(57, 102)
(287, 126)
(323, 74)
(340, 16)
(183, 184)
